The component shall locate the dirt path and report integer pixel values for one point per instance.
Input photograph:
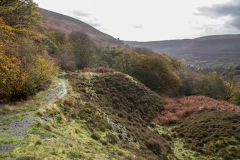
(16, 126)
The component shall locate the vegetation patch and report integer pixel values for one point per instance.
(126, 106)
(179, 108)
(214, 133)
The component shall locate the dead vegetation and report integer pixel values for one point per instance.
(99, 70)
(177, 109)
(215, 133)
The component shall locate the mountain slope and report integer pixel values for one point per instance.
(68, 24)
(210, 50)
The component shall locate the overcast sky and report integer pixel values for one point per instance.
(149, 20)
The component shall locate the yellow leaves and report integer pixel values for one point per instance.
(6, 37)
(12, 78)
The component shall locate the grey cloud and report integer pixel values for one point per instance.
(229, 9)
(137, 26)
(81, 14)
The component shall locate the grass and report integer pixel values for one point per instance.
(10, 119)
(41, 132)
(10, 140)
(72, 141)
(29, 105)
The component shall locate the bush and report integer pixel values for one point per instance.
(154, 146)
(111, 138)
(151, 70)
(210, 85)
(95, 136)
(41, 71)
(12, 78)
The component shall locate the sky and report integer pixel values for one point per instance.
(151, 20)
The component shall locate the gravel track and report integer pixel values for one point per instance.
(18, 127)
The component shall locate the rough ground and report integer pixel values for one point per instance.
(215, 133)
(15, 127)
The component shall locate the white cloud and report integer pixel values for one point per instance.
(162, 19)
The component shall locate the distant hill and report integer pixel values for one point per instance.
(68, 24)
(209, 50)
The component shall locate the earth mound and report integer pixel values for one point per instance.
(131, 109)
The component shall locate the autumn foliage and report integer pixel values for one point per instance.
(13, 78)
(24, 63)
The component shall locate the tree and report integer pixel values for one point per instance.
(6, 37)
(83, 49)
(19, 13)
(151, 70)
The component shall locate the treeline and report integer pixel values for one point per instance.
(25, 66)
(77, 51)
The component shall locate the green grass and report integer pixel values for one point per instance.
(29, 105)
(4, 140)
(10, 119)
(41, 132)
(72, 141)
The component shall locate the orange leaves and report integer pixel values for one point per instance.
(12, 78)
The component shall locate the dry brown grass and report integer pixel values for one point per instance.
(41, 112)
(176, 109)
(69, 101)
(98, 70)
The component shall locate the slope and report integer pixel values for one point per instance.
(209, 50)
(68, 24)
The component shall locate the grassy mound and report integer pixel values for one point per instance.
(129, 108)
(127, 98)
(213, 132)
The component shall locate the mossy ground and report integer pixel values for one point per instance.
(32, 104)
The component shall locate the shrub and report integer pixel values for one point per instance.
(154, 146)
(12, 78)
(210, 85)
(68, 101)
(151, 70)
(41, 70)
(111, 138)
(95, 136)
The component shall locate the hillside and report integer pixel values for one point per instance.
(68, 24)
(113, 116)
(209, 50)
